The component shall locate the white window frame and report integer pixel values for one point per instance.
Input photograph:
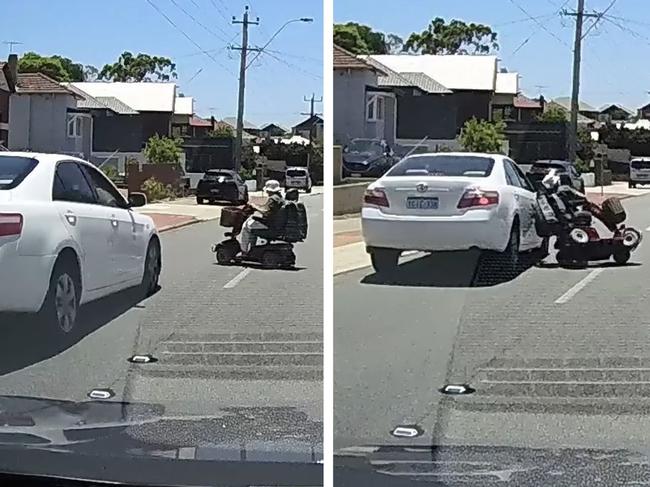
(75, 122)
(378, 106)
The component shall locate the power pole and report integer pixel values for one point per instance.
(242, 84)
(312, 101)
(575, 93)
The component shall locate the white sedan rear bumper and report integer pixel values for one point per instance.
(24, 280)
(482, 229)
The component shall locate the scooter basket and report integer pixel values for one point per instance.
(613, 211)
(232, 217)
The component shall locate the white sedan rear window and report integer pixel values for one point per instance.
(437, 165)
(14, 169)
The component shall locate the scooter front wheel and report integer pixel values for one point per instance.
(622, 256)
(226, 252)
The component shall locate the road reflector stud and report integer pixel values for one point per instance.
(456, 389)
(142, 359)
(101, 394)
(407, 431)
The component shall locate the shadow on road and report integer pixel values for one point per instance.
(454, 269)
(25, 342)
(261, 267)
(593, 265)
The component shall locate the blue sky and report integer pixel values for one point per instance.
(97, 32)
(614, 67)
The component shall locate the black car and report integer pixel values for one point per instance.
(367, 158)
(566, 170)
(221, 185)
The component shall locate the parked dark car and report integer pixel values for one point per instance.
(566, 169)
(221, 185)
(367, 158)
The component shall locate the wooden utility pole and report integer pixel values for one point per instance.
(312, 101)
(242, 84)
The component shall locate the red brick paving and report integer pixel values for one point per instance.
(166, 222)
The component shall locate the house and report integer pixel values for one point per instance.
(249, 128)
(183, 113)
(311, 128)
(584, 109)
(361, 108)
(272, 130)
(8, 74)
(644, 112)
(583, 121)
(128, 115)
(44, 117)
(445, 91)
(614, 113)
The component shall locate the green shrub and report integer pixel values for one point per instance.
(110, 172)
(482, 136)
(156, 191)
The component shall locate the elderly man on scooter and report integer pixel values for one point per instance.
(274, 203)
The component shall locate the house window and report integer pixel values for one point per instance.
(374, 108)
(74, 126)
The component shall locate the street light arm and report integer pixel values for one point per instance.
(261, 50)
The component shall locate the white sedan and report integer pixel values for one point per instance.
(450, 201)
(67, 237)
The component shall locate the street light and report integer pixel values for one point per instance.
(261, 50)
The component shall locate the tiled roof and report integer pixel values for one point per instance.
(100, 102)
(522, 101)
(140, 96)
(40, 83)
(565, 102)
(344, 59)
(418, 80)
(200, 122)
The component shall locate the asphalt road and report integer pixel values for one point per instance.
(557, 357)
(243, 340)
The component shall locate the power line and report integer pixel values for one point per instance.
(207, 29)
(221, 13)
(525, 41)
(155, 7)
(296, 56)
(542, 26)
(598, 18)
(293, 66)
(526, 19)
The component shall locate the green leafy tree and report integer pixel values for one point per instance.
(222, 132)
(553, 114)
(163, 150)
(141, 67)
(359, 39)
(482, 136)
(91, 73)
(455, 37)
(56, 67)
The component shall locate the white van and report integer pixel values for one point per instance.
(639, 171)
(297, 177)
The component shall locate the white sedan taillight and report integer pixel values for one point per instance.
(477, 198)
(376, 197)
(11, 224)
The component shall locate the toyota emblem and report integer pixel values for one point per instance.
(421, 187)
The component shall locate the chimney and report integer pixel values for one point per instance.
(13, 66)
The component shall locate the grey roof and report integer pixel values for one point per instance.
(232, 121)
(621, 107)
(418, 80)
(565, 102)
(100, 102)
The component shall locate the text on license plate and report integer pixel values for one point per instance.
(422, 203)
(214, 190)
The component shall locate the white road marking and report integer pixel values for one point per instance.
(566, 297)
(237, 279)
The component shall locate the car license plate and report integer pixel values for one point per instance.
(215, 191)
(422, 203)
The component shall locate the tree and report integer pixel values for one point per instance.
(56, 67)
(142, 67)
(456, 37)
(553, 114)
(482, 136)
(359, 39)
(163, 150)
(91, 73)
(394, 44)
(222, 132)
